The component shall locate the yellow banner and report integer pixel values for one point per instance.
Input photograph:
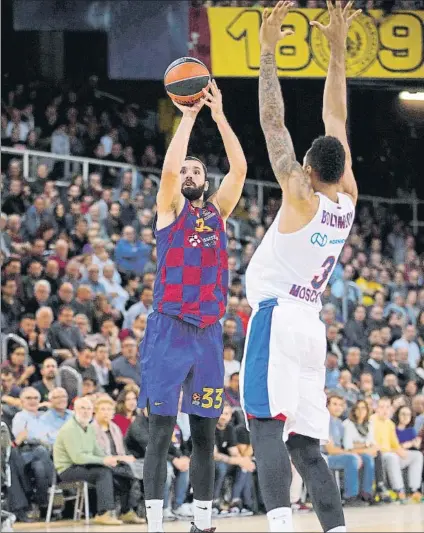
(377, 47)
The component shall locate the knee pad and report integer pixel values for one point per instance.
(304, 450)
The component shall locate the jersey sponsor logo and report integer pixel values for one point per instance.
(337, 221)
(303, 293)
(194, 240)
(210, 241)
(319, 239)
(338, 241)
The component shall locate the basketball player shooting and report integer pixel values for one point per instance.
(183, 346)
(283, 375)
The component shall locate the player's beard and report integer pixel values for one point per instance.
(192, 193)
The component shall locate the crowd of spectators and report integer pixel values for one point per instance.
(78, 268)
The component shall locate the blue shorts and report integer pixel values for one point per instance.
(175, 355)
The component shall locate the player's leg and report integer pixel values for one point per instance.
(202, 469)
(202, 401)
(269, 376)
(165, 364)
(274, 471)
(312, 425)
(306, 456)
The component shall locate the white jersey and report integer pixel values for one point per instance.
(297, 266)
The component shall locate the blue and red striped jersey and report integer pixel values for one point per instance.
(192, 266)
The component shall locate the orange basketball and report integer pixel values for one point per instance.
(184, 80)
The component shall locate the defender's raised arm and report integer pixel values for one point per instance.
(334, 113)
(271, 104)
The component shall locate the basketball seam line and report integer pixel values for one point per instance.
(185, 79)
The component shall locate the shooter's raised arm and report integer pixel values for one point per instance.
(169, 196)
(229, 192)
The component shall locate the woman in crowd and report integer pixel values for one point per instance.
(110, 441)
(126, 407)
(358, 439)
(405, 431)
(16, 363)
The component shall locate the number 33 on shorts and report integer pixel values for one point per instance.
(212, 398)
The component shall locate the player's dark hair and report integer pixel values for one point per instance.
(327, 158)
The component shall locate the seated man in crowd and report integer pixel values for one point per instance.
(10, 392)
(396, 458)
(228, 459)
(57, 414)
(110, 440)
(77, 457)
(48, 379)
(31, 436)
(350, 463)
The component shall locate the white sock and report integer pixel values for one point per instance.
(281, 520)
(202, 514)
(154, 512)
(338, 529)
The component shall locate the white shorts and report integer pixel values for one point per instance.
(283, 370)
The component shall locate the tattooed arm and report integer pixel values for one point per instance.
(287, 170)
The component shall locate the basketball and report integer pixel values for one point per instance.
(184, 80)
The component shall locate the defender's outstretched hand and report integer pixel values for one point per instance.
(340, 21)
(272, 21)
(213, 100)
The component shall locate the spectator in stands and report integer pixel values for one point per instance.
(64, 296)
(418, 411)
(31, 436)
(353, 363)
(230, 336)
(374, 365)
(41, 296)
(103, 367)
(131, 254)
(405, 430)
(126, 368)
(348, 390)
(227, 455)
(390, 386)
(48, 382)
(346, 293)
(11, 307)
(63, 334)
(231, 366)
(57, 414)
(144, 306)
(332, 372)
(126, 407)
(108, 335)
(358, 439)
(232, 391)
(349, 463)
(42, 347)
(92, 280)
(36, 216)
(10, 395)
(15, 202)
(51, 274)
(77, 457)
(333, 343)
(109, 439)
(354, 330)
(395, 457)
(83, 364)
(408, 340)
(22, 372)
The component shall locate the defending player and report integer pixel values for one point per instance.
(283, 375)
(183, 341)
